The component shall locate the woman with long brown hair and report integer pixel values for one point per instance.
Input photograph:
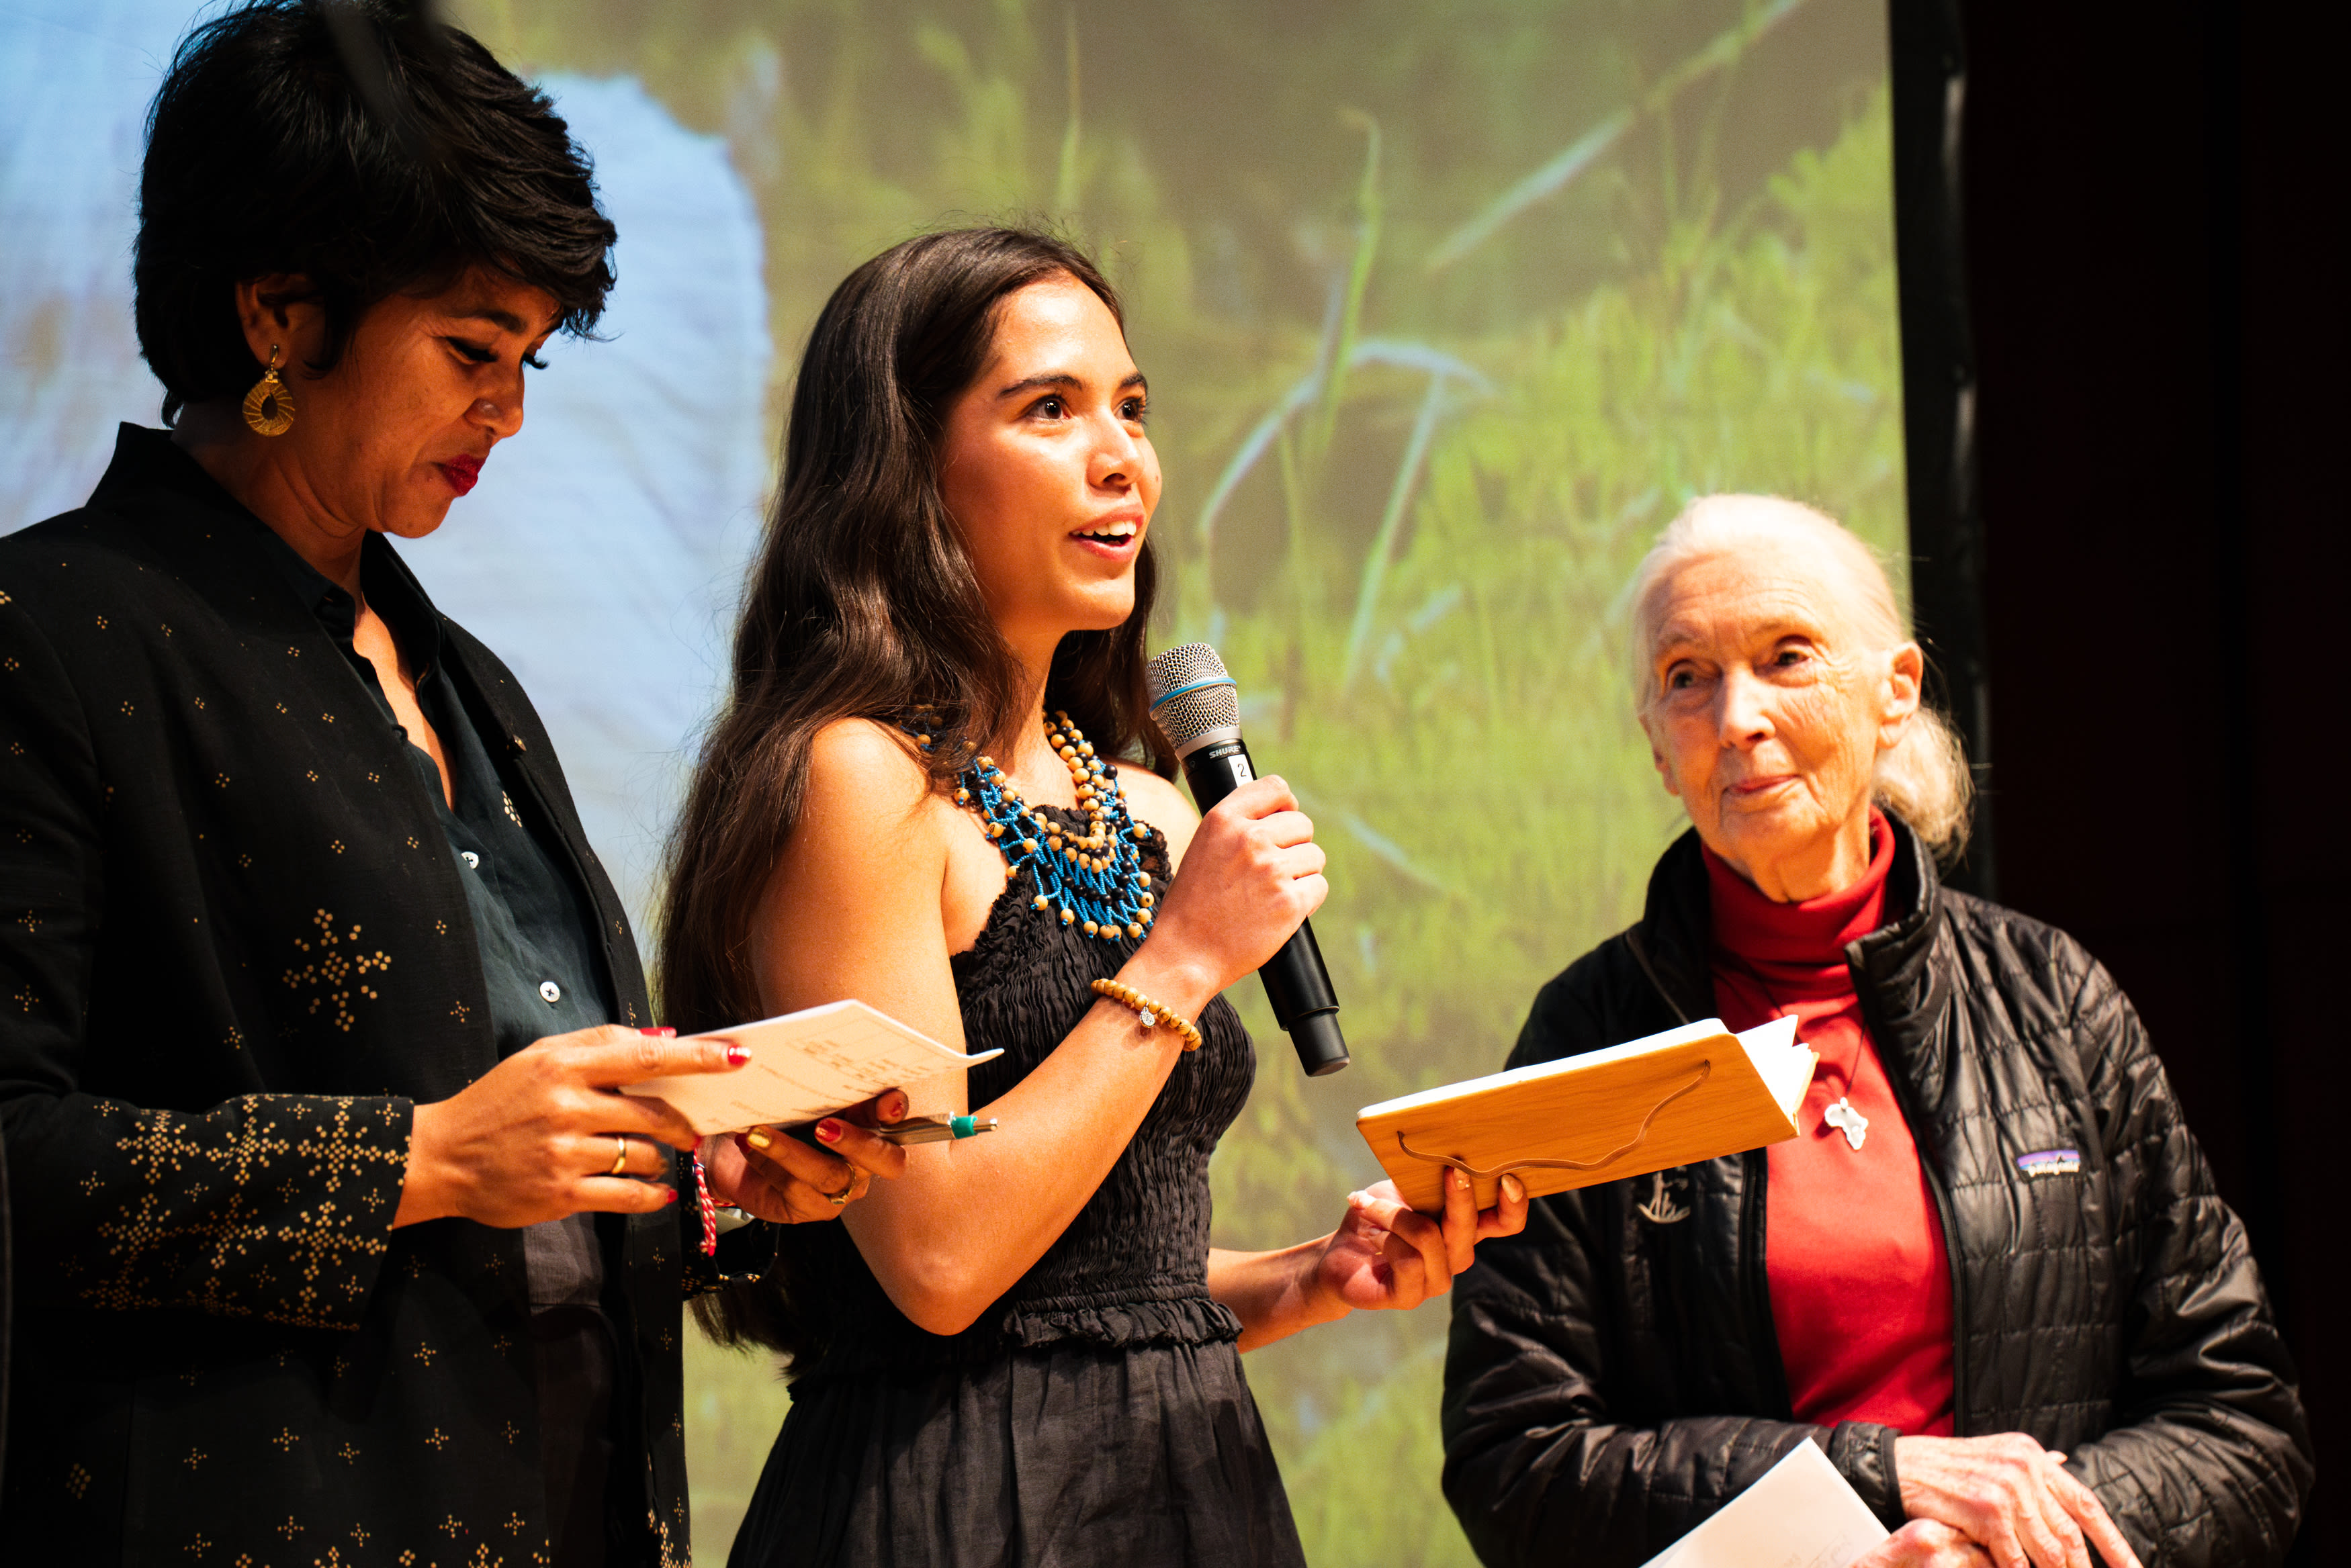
(1023, 1349)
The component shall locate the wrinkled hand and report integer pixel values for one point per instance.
(781, 1179)
(2009, 1496)
(545, 1133)
(1925, 1544)
(1382, 1255)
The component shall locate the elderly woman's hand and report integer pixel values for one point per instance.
(1925, 1544)
(2012, 1497)
(1384, 1255)
(777, 1177)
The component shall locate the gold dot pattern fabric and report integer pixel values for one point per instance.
(234, 956)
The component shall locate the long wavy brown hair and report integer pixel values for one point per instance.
(864, 603)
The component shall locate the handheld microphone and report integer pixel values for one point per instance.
(1199, 710)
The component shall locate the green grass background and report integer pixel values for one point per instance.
(1448, 307)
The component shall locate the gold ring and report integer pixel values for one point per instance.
(619, 1153)
(840, 1199)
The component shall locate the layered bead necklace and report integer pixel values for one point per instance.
(1092, 880)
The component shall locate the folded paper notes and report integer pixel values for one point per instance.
(1688, 1094)
(1799, 1513)
(804, 1065)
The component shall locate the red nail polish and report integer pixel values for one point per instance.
(669, 1195)
(738, 1055)
(660, 1033)
(828, 1131)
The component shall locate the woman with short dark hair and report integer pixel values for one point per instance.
(1990, 1277)
(335, 1240)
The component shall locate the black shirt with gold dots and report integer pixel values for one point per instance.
(540, 955)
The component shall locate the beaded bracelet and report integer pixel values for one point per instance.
(1153, 1016)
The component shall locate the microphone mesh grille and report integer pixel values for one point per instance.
(1190, 714)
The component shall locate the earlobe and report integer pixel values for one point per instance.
(1904, 679)
(278, 308)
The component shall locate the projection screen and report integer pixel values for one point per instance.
(1447, 306)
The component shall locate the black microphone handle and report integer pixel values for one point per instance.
(1296, 982)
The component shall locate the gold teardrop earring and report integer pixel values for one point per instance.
(269, 407)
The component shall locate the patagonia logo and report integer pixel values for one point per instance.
(1661, 1208)
(2050, 1162)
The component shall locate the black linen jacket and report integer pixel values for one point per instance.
(234, 954)
(1614, 1376)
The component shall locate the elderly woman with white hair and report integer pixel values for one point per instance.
(1991, 1277)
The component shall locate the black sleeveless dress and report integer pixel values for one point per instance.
(1095, 1414)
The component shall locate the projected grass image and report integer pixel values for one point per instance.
(1462, 729)
(1447, 309)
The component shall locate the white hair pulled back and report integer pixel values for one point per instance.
(1923, 778)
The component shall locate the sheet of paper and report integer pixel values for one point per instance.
(1785, 1063)
(1800, 1515)
(804, 1065)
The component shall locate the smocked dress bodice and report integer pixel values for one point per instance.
(1132, 1268)
(1094, 1416)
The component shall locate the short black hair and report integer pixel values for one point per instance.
(364, 146)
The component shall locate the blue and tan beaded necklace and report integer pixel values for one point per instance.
(1091, 879)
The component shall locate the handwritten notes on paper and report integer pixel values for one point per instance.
(805, 1065)
(1800, 1515)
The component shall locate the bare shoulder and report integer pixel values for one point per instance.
(1156, 803)
(1153, 799)
(866, 844)
(852, 906)
(863, 772)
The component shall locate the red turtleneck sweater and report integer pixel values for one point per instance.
(1861, 1289)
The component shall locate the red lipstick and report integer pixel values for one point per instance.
(462, 471)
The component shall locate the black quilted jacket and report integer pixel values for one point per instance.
(1614, 1376)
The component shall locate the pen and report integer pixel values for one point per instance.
(935, 1129)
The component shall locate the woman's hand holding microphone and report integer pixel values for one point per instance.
(1250, 876)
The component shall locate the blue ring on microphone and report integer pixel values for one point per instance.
(1195, 685)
